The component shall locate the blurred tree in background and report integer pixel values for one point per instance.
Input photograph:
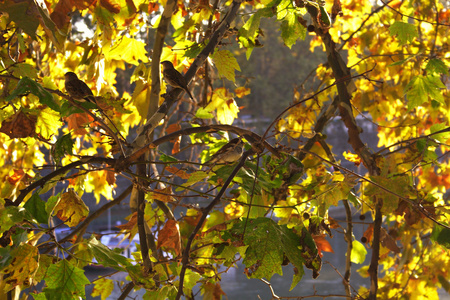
(146, 143)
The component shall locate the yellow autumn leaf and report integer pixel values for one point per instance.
(225, 63)
(223, 103)
(71, 209)
(23, 266)
(48, 122)
(98, 183)
(127, 49)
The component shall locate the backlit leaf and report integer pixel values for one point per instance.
(359, 252)
(71, 209)
(435, 65)
(36, 207)
(27, 85)
(405, 32)
(130, 50)
(22, 267)
(64, 281)
(225, 63)
(103, 287)
(48, 123)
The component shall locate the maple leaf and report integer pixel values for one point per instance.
(322, 244)
(22, 267)
(180, 173)
(169, 237)
(71, 209)
(19, 125)
(225, 63)
(65, 281)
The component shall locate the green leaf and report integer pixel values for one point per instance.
(24, 70)
(292, 30)
(21, 14)
(195, 177)
(398, 185)
(435, 65)
(106, 256)
(405, 32)
(168, 158)
(203, 113)
(268, 244)
(64, 281)
(441, 235)
(36, 207)
(359, 252)
(225, 63)
(62, 146)
(441, 137)
(421, 87)
(40, 296)
(10, 216)
(27, 85)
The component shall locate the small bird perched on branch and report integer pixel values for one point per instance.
(174, 78)
(77, 89)
(229, 153)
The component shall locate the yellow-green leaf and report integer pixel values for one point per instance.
(48, 123)
(71, 209)
(130, 50)
(226, 63)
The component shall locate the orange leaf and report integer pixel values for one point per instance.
(242, 91)
(77, 122)
(322, 244)
(173, 127)
(180, 173)
(111, 6)
(152, 6)
(16, 177)
(130, 224)
(176, 146)
(164, 195)
(169, 237)
(368, 234)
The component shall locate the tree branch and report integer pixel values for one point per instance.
(144, 136)
(205, 212)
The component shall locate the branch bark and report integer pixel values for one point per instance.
(144, 136)
(205, 212)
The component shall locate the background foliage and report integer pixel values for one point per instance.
(386, 63)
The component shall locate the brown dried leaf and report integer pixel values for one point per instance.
(180, 173)
(169, 237)
(19, 125)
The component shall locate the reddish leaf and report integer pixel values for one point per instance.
(322, 244)
(169, 237)
(110, 177)
(180, 173)
(16, 177)
(19, 125)
(77, 122)
(164, 195)
(388, 241)
(368, 234)
(130, 224)
(152, 6)
(111, 6)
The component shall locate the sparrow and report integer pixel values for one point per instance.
(174, 78)
(229, 153)
(77, 89)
